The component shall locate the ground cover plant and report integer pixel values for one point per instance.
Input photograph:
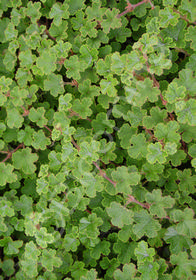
(97, 139)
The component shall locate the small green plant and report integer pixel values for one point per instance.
(98, 139)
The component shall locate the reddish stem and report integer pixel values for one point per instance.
(75, 144)
(133, 200)
(48, 128)
(130, 7)
(103, 174)
(9, 153)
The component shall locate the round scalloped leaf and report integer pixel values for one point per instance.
(156, 153)
(24, 159)
(120, 215)
(186, 111)
(7, 175)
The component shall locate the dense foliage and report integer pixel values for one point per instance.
(97, 139)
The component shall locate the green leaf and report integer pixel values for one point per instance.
(135, 116)
(103, 66)
(29, 267)
(46, 62)
(71, 242)
(108, 86)
(111, 21)
(74, 67)
(40, 140)
(6, 208)
(24, 205)
(26, 136)
(193, 251)
(33, 12)
(158, 63)
(177, 241)
(187, 79)
(102, 248)
(156, 116)
(9, 61)
(88, 56)
(62, 49)
(186, 181)
(18, 96)
(75, 6)
(145, 224)
(55, 160)
(107, 151)
(144, 253)
(186, 111)
(88, 90)
(102, 124)
(14, 118)
(42, 186)
(125, 251)
(175, 93)
(10, 32)
(10, 247)
(26, 59)
(184, 267)
(49, 259)
(54, 83)
(90, 226)
(125, 134)
(59, 32)
(186, 223)
(118, 63)
(189, 7)
(43, 238)
(82, 107)
(167, 16)
(64, 102)
(37, 116)
(167, 132)
(59, 12)
(95, 12)
(149, 270)
(159, 203)
(3, 227)
(128, 272)
(89, 28)
(31, 251)
(91, 275)
(190, 36)
(89, 151)
(141, 92)
(7, 175)
(8, 267)
(91, 184)
(126, 177)
(120, 215)
(138, 147)
(24, 159)
(177, 158)
(170, 148)
(156, 153)
(152, 171)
